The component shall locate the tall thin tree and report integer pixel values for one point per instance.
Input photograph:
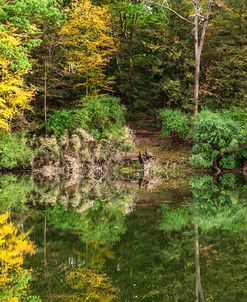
(202, 12)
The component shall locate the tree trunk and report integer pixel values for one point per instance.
(199, 42)
(87, 86)
(199, 296)
(197, 60)
(45, 95)
(130, 80)
(197, 85)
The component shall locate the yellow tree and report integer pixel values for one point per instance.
(13, 277)
(87, 36)
(14, 94)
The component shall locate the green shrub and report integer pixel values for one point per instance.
(105, 115)
(99, 116)
(15, 191)
(217, 139)
(14, 151)
(66, 119)
(228, 162)
(174, 123)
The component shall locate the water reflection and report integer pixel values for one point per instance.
(215, 220)
(96, 242)
(14, 278)
(74, 225)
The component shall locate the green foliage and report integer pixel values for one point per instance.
(63, 120)
(19, 287)
(176, 220)
(14, 151)
(15, 191)
(225, 75)
(99, 116)
(219, 204)
(218, 138)
(216, 205)
(105, 115)
(154, 58)
(228, 162)
(30, 16)
(103, 222)
(174, 122)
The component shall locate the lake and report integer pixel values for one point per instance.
(184, 240)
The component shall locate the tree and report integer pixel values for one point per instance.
(24, 22)
(87, 37)
(224, 65)
(14, 94)
(48, 57)
(202, 11)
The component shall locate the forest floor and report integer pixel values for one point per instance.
(174, 156)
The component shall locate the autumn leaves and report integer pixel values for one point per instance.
(86, 39)
(14, 94)
(87, 36)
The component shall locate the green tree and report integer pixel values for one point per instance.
(151, 67)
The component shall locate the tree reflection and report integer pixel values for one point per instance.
(91, 249)
(216, 217)
(90, 285)
(14, 278)
(75, 227)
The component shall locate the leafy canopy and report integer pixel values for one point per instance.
(89, 43)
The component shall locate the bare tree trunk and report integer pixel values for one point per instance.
(45, 95)
(201, 19)
(199, 295)
(87, 86)
(45, 240)
(198, 285)
(197, 60)
(130, 80)
(48, 64)
(199, 42)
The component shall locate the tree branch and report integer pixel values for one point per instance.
(165, 5)
(205, 26)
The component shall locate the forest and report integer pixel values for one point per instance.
(123, 150)
(97, 65)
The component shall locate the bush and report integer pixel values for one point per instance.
(99, 116)
(14, 151)
(218, 138)
(105, 115)
(66, 119)
(175, 123)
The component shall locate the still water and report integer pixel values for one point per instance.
(185, 240)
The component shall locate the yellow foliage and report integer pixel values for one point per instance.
(14, 95)
(13, 245)
(92, 285)
(87, 34)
